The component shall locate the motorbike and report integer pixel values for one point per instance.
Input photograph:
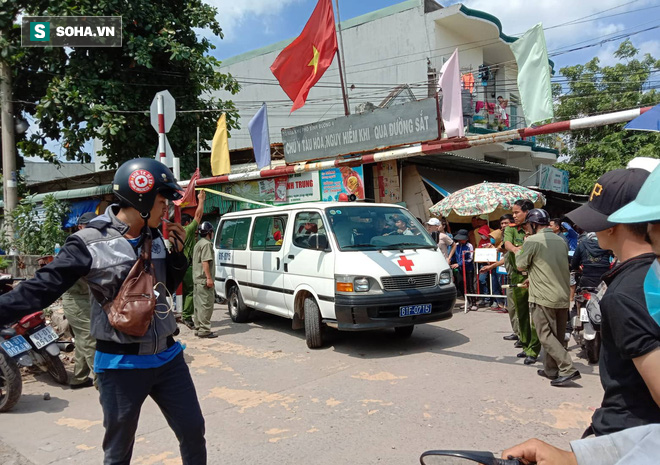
(29, 342)
(12, 349)
(585, 331)
(44, 348)
(464, 457)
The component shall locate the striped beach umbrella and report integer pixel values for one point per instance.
(488, 198)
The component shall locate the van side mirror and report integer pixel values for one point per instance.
(318, 242)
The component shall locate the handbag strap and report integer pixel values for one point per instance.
(146, 241)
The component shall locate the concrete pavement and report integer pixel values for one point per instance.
(365, 398)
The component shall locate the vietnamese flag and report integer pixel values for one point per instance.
(302, 63)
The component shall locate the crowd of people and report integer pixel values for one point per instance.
(623, 215)
(612, 246)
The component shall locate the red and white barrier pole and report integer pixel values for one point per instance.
(432, 147)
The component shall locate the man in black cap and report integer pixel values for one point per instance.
(463, 259)
(76, 308)
(628, 332)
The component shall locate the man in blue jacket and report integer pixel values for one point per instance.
(128, 368)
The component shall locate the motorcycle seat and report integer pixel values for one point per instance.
(29, 317)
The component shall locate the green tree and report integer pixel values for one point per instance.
(37, 235)
(79, 94)
(593, 89)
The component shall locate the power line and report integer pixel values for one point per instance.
(577, 20)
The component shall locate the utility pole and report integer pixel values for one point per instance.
(341, 63)
(9, 185)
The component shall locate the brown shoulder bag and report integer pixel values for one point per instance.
(133, 308)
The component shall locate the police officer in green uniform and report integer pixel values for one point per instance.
(76, 307)
(204, 278)
(545, 257)
(190, 225)
(513, 240)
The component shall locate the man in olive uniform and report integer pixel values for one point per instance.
(204, 278)
(545, 256)
(513, 240)
(190, 225)
(76, 307)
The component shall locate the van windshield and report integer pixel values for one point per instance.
(363, 227)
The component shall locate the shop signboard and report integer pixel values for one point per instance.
(407, 123)
(344, 180)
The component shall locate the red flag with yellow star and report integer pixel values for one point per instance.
(302, 63)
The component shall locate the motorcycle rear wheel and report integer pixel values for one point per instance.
(11, 384)
(55, 367)
(592, 349)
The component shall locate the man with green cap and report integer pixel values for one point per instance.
(544, 255)
(76, 308)
(190, 225)
(204, 280)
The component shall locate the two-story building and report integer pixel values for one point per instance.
(392, 56)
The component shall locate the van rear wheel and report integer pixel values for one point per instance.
(404, 332)
(238, 311)
(313, 334)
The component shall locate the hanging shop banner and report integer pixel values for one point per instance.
(407, 123)
(553, 179)
(280, 188)
(344, 180)
(266, 188)
(303, 187)
(295, 188)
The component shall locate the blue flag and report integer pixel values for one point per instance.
(258, 127)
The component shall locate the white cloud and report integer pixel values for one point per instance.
(517, 16)
(232, 13)
(606, 54)
(652, 47)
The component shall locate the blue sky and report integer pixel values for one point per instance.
(250, 24)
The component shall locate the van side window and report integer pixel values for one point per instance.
(309, 231)
(268, 233)
(233, 234)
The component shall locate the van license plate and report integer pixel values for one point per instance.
(44, 336)
(410, 310)
(15, 346)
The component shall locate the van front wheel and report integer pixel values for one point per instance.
(313, 334)
(238, 311)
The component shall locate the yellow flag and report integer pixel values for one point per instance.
(220, 149)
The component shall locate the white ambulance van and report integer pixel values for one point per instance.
(349, 266)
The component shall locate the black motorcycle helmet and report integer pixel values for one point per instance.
(205, 229)
(138, 181)
(538, 216)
